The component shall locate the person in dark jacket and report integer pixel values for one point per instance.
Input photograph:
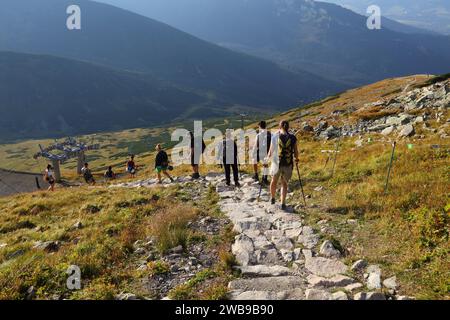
(228, 155)
(87, 174)
(260, 150)
(109, 174)
(196, 153)
(162, 163)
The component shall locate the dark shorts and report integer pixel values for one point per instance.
(51, 181)
(89, 179)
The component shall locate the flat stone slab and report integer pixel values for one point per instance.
(308, 240)
(339, 281)
(314, 294)
(267, 284)
(264, 271)
(295, 294)
(325, 267)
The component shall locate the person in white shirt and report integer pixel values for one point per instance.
(49, 176)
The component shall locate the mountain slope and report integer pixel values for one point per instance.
(121, 39)
(431, 14)
(322, 38)
(44, 96)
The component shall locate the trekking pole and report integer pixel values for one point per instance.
(326, 162)
(301, 184)
(336, 152)
(390, 167)
(260, 182)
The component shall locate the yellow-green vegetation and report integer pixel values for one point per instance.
(115, 147)
(407, 230)
(102, 245)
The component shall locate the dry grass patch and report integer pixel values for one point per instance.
(170, 225)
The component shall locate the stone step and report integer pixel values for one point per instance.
(295, 294)
(325, 267)
(333, 282)
(283, 283)
(264, 271)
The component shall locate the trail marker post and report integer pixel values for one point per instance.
(301, 183)
(390, 167)
(336, 152)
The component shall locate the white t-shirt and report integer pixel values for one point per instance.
(261, 137)
(49, 173)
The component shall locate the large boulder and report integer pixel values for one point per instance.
(325, 267)
(328, 250)
(243, 249)
(314, 294)
(406, 130)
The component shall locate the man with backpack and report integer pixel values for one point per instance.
(283, 152)
(162, 163)
(87, 174)
(261, 149)
(227, 154)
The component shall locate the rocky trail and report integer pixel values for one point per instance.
(282, 258)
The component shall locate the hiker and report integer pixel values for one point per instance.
(196, 154)
(260, 150)
(109, 174)
(49, 177)
(283, 152)
(131, 167)
(162, 163)
(87, 174)
(227, 154)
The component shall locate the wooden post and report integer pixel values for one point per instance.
(336, 152)
(56, 169)
(390, 166)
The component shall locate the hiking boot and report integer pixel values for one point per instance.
(265, 180)
(228, 184)
(237, 184)
(272, 201)
(195, 176)
(172, 180)
(283, 207)
(256, 177)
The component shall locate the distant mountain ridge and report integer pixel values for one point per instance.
(121, 39)
(124, 60)
(319, 37)
(45, 96)
(430, 14)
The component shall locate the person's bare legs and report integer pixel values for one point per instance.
(284, 188)
(273, 187)
(159, 177)
(255, 168)
(167, 175)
